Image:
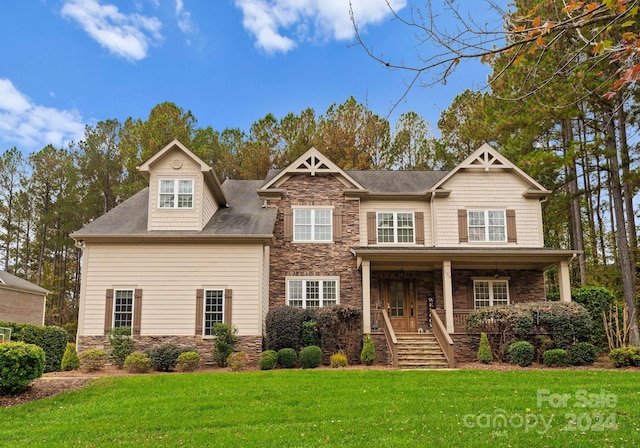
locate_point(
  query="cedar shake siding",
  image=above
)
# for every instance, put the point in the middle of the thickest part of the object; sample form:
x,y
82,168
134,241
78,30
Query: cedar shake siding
x,y
330,259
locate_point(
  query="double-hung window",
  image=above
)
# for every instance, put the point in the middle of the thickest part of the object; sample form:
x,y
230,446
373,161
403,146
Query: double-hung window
x,y
488,293
487,225
213,309
312,293
123,308
175,193
312,224
395,227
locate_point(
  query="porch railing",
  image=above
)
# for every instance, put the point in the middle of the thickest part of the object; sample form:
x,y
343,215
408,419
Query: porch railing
x,y
376,320
443,338
460,317
390,335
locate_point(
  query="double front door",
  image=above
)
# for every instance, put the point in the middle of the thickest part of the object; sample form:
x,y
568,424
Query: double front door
x,y
399,298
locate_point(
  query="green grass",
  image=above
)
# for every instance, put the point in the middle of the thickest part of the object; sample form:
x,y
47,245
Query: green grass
x,y
332,408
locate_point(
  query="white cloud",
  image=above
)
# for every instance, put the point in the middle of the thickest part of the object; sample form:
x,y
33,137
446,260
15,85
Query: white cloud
x,y
184,18
278,25
33,126
126,35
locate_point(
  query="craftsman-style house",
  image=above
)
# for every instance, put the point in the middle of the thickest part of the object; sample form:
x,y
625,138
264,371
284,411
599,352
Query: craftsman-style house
x,y
417,251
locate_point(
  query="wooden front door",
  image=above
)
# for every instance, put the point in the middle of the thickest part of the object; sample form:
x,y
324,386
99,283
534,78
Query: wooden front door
x,y
400,302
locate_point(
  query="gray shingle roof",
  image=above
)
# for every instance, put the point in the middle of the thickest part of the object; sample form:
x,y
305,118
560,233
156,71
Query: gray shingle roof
x,y
16,282
389,181
244,217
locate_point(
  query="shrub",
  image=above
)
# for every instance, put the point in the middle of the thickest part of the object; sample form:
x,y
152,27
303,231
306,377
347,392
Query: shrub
x,y
310,334
137,362
224,342
188,361
70,360
521,353
556,357
53,340
484,350
340,330
596,300
122,345
163,358
287,358
282,327
238,361
268,360
20,363
582,354
338,360
368,354
625,356
92,360
310,357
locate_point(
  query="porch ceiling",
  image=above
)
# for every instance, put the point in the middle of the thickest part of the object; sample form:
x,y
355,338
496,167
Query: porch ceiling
x,y
461,258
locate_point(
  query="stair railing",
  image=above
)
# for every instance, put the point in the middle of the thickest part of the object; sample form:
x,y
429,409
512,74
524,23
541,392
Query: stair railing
x,y
390,336
443,338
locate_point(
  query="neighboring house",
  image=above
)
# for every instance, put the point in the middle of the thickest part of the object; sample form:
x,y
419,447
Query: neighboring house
x,y
21,301
417,251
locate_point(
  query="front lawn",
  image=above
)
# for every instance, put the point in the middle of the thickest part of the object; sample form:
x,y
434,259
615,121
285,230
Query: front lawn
x,y
339,408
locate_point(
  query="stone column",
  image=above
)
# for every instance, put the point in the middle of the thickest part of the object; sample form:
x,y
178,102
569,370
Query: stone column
x,y
565,281
447,292
366,296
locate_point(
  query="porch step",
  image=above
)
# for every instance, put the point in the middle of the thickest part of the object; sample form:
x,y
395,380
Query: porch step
x,y
420,351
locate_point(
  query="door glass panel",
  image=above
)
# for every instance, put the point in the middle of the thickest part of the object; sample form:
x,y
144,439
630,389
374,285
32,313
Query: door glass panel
x,y
396,291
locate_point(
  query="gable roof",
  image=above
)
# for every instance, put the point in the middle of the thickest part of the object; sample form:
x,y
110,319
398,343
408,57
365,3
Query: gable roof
x,y
10,281
243,218
487,158
209,175
311,162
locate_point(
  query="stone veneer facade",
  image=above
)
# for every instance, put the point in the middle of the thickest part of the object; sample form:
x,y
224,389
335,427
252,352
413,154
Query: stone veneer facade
x,y
252,345
316,259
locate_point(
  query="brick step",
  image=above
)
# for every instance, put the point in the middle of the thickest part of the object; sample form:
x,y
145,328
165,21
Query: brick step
x,y
423,365
420,351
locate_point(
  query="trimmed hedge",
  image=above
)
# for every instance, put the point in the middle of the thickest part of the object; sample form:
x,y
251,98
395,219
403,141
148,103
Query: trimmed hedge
x,y
582,354
287,358
70,360
53,340
484,350
20,363
283,326
188,361
368,354
338,360
92,360
137,362
556,357
310,357
521,353
625,357
268,360
164,357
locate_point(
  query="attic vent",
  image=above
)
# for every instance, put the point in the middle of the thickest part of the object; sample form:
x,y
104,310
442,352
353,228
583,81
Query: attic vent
x,y
322,167
176,164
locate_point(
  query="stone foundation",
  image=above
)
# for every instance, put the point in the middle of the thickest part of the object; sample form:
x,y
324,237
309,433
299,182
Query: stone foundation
x,y
465,347
252,345
383,356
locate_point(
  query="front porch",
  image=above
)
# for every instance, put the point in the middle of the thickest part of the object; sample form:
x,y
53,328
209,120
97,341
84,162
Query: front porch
x,y
429,291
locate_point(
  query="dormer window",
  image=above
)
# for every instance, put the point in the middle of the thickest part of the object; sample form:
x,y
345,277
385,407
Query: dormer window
x,y
175,193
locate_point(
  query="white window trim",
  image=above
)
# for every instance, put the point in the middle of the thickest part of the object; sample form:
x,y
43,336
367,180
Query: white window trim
x,y
133,306
335,279
491,281
204,310
176,193
312,208
486,224
395,227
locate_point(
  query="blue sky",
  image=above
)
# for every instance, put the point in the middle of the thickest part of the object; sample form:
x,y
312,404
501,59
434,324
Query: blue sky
x,y
69,63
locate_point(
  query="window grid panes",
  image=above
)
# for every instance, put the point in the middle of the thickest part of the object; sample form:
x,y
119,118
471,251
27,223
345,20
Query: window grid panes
x,y
213,309
395,227
312,293
123,308
312,224
175,193
487,225
490,293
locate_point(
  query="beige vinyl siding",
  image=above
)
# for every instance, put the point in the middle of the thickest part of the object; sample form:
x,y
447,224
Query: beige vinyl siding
x,y
480,190
176,219
169,275
265,285
209,206
394,206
